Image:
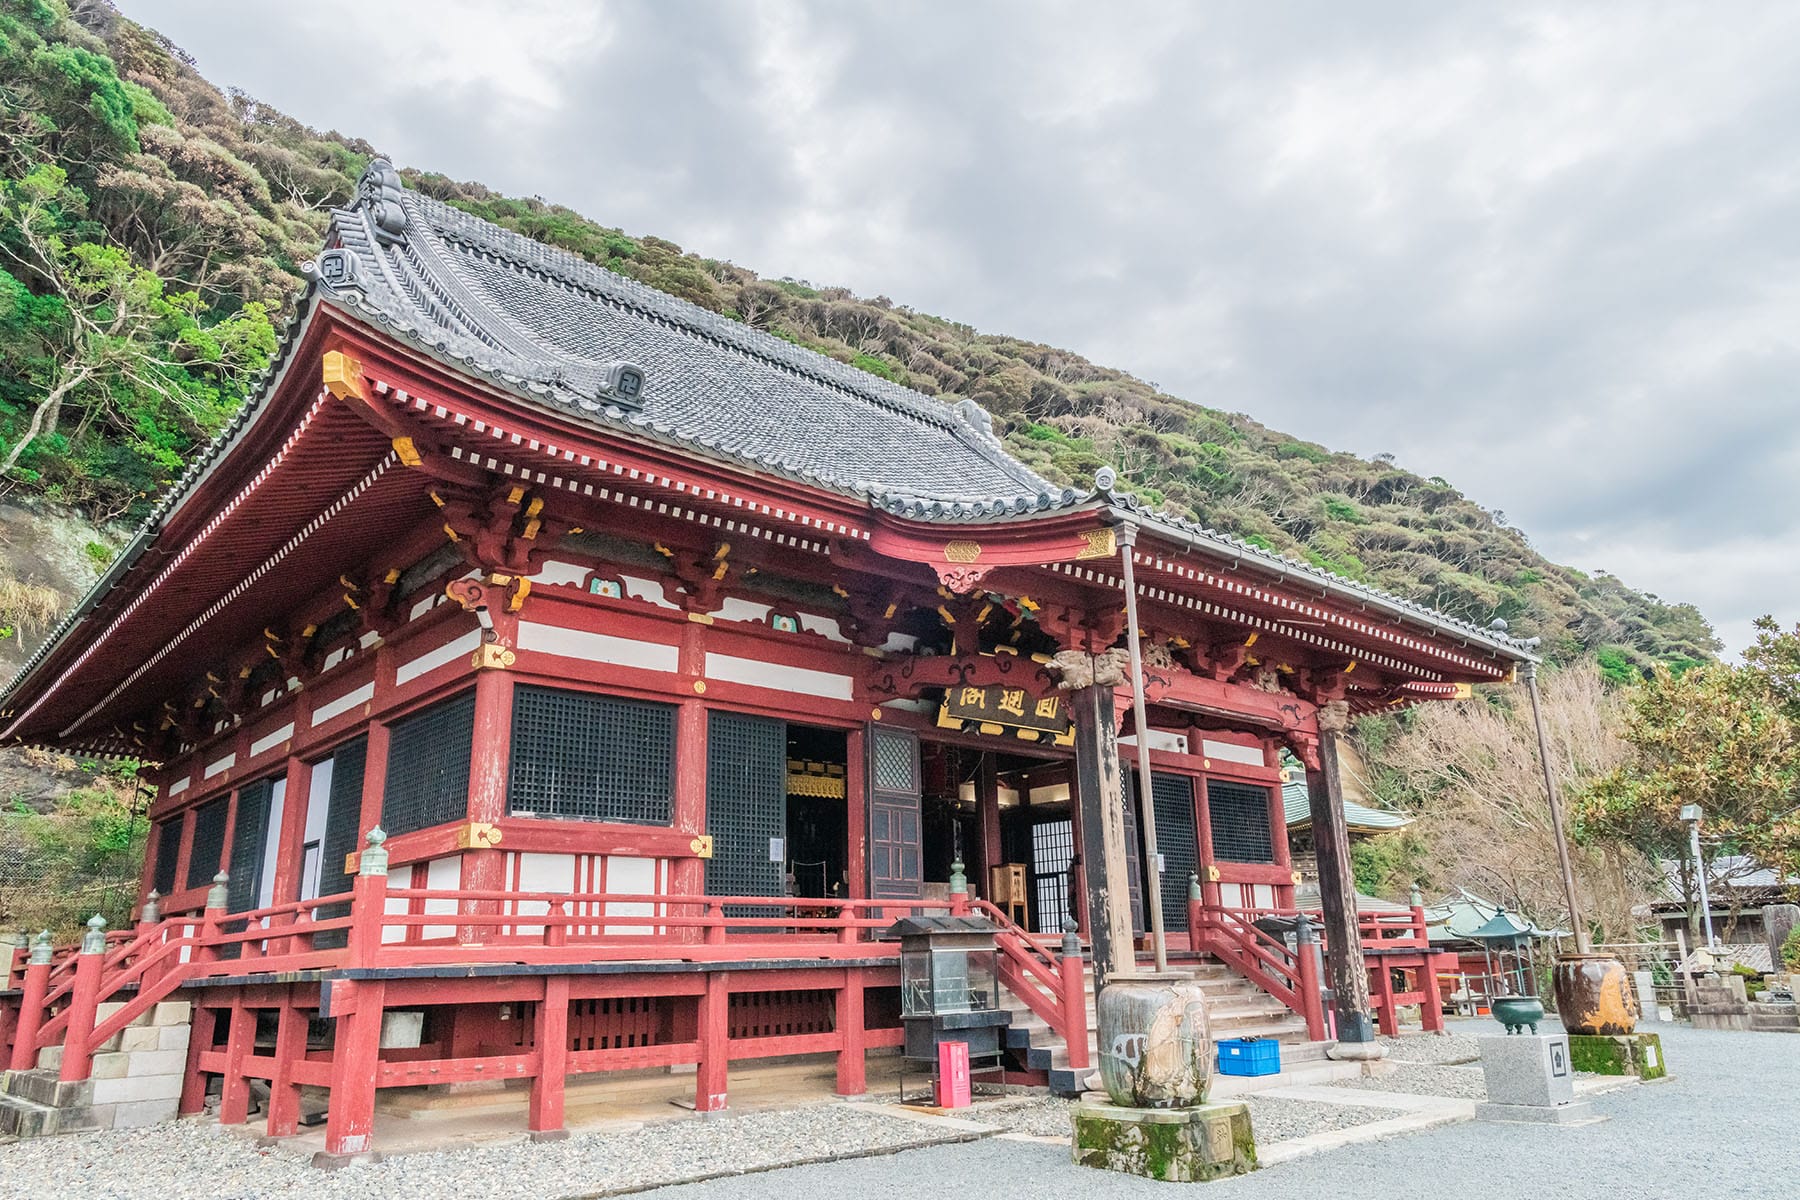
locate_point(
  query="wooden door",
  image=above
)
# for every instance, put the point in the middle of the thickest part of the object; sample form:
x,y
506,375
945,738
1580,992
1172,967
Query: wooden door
x,y
895,863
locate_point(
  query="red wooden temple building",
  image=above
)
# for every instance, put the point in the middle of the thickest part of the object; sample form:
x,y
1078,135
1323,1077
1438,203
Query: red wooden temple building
x,y
543,676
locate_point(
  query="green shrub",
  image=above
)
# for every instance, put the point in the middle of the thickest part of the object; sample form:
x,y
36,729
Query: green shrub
x,y
1790,950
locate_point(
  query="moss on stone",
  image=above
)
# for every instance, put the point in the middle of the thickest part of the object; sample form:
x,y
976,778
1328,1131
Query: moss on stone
x,y
1637,1054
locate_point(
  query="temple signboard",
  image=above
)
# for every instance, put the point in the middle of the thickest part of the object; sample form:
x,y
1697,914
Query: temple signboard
x,y
998,709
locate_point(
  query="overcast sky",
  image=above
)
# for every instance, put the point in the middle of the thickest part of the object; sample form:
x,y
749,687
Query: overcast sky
x,y
1551,253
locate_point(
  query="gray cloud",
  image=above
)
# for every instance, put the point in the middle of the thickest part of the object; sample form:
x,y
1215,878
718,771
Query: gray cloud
x,y
1547,254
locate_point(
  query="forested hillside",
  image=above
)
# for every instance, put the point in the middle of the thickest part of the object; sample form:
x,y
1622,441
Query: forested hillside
x,y
151,228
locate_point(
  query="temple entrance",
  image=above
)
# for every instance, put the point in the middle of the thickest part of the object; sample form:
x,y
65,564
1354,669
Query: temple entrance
x,y
818,824
1009,818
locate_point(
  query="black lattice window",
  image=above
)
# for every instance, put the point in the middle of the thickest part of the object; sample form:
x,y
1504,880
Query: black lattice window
x,y
1176,842
249,839
895,763
168,855
746,807
1240,822
342,816
582,757
428,767
209,841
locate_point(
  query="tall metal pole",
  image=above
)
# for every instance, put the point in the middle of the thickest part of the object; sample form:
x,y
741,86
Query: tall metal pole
x,y
1582,944
1712,943
1126,535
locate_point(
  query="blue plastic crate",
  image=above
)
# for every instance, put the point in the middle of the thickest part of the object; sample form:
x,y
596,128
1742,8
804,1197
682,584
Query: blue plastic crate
x,y
1250,1056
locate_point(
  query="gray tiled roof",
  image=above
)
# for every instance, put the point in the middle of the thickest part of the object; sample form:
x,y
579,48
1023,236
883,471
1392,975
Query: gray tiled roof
x,y
549,324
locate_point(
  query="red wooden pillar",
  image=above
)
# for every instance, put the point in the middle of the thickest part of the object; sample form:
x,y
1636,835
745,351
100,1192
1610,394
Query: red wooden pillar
x,y
852,1078
240,1038
290,1051
715,1043
987,807
31,1006
1385,1012
485,869
551,1036
355,1062
200,1041
84,1001
687,876
856,814
295,794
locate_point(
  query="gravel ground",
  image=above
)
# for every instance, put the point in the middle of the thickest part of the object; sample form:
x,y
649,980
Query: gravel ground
x,y
1417,1079
1720,1126
1434,1048
1279,1119
198,1159
1039,1116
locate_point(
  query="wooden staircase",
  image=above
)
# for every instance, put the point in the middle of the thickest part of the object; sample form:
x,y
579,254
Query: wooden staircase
x,y
1236,1008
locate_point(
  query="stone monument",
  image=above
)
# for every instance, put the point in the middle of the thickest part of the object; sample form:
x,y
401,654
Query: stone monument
x,y
1530,1078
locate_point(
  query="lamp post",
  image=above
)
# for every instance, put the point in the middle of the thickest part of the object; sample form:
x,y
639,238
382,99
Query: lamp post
x,y
1691,813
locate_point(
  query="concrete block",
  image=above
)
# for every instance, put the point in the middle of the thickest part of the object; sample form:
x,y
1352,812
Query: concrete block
x,y
140,1037
173,1037
112,1065
1211,1141
172,1012
143,1112
50,1058
101,1115
139,1087
158,1062
1578,1113
1528,1070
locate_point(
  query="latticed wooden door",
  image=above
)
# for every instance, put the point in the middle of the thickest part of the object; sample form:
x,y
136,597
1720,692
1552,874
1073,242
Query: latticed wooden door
x,y
746,807
895,866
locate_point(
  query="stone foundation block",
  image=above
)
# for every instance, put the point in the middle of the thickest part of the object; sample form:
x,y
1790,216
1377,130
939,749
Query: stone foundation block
x,y
173,1037
1528,1069
106,1011
1639,1054
172,1012
114,1064
140,1037
143,1112
50,1058
1183,1145
158,1062
135,1088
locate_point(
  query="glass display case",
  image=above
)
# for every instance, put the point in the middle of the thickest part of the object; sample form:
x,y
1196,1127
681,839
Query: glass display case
x,y
949,985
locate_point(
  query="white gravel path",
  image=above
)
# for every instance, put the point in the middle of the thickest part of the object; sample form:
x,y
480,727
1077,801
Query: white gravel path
x,y
1438,1048
1425,1079
198,1160
1274,1118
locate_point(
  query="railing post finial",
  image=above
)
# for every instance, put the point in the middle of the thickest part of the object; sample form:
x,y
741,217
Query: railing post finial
x,y
1193,885
374,860
1415,898
1071,946
43,948
959,882
1303,930
219,894
94,940
151,913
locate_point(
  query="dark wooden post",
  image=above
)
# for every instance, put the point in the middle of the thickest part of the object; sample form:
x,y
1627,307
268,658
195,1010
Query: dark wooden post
x,y
1100,801
1347,971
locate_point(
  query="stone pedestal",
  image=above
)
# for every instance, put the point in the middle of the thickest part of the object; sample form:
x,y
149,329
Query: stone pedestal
x,y
1637,1054
1179,1145
1529,1078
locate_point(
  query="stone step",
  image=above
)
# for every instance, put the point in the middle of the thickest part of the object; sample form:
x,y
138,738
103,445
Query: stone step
x,y
21,1118
41,1086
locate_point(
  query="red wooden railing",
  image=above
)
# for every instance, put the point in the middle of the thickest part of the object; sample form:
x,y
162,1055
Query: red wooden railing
x,y
1392,941
381,926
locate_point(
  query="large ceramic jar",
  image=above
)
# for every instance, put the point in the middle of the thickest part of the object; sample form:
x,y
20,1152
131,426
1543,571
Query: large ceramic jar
x,y
1154,1047
1593,995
